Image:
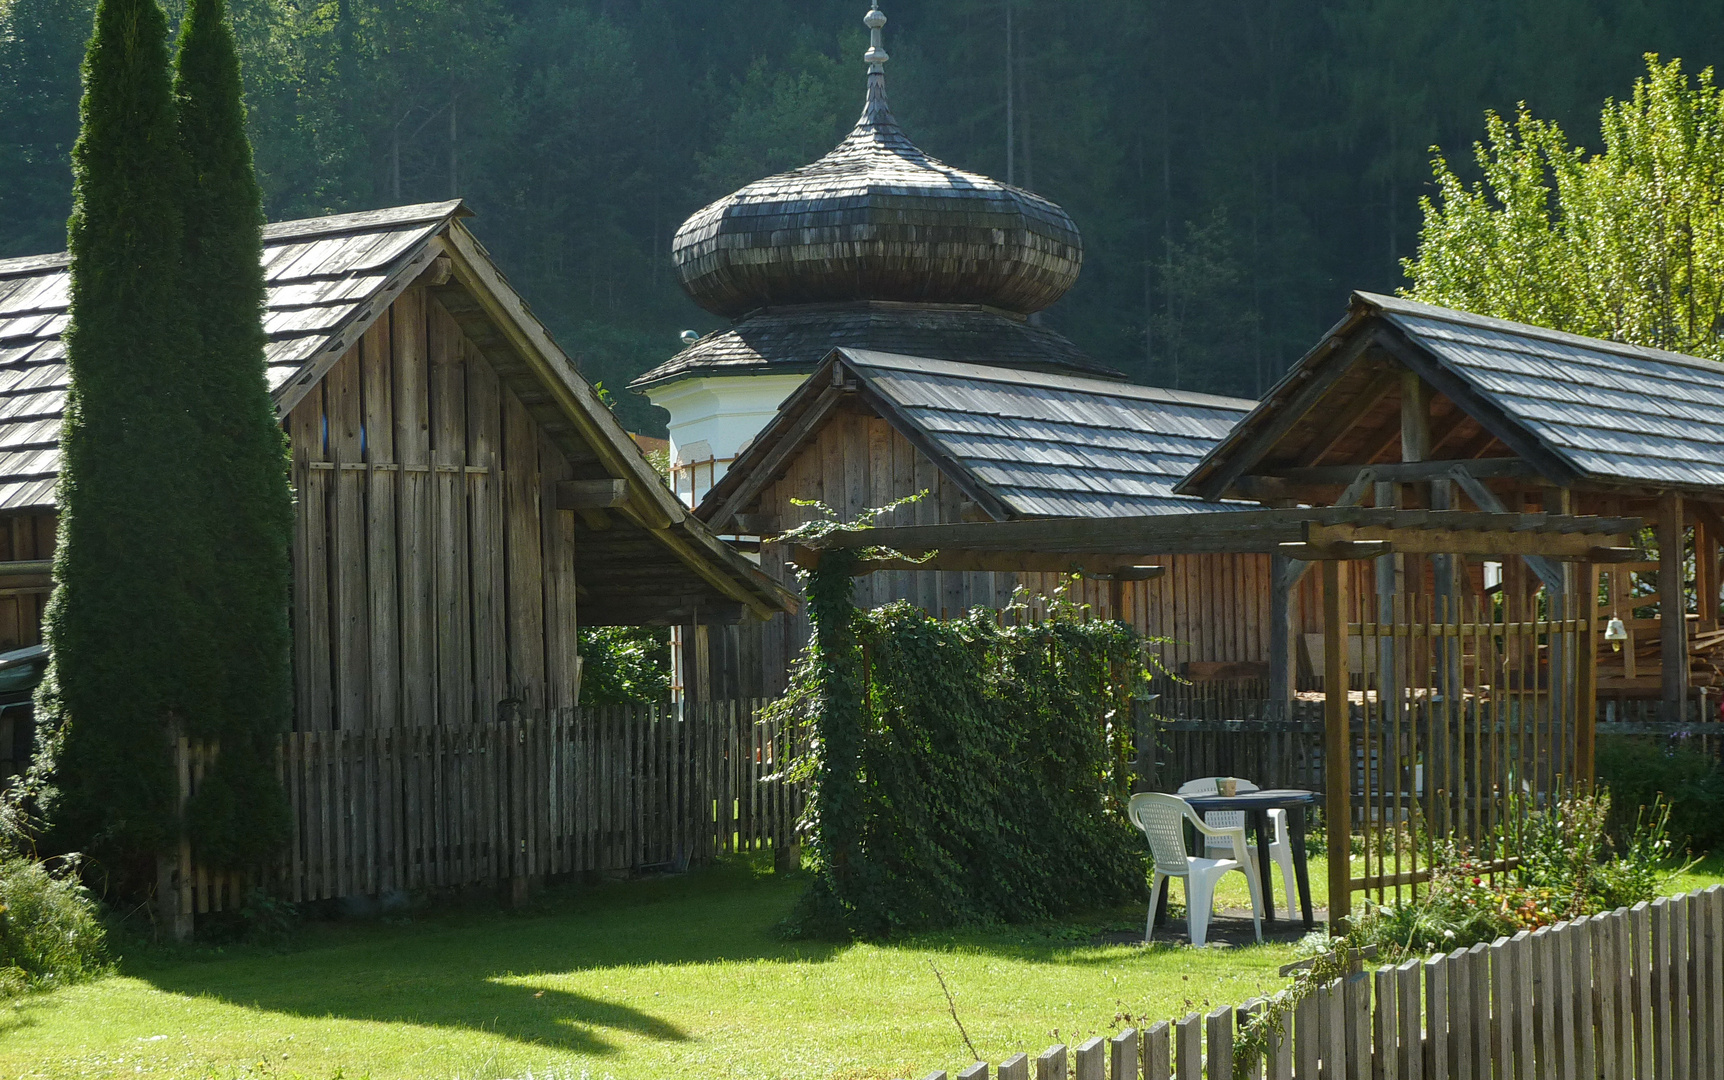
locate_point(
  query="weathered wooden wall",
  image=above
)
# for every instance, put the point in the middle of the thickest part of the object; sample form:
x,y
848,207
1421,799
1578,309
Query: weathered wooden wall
x,y
433,583
1211,607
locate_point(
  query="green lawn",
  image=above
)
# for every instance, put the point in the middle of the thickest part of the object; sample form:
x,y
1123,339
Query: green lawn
x,y
675,977
666,978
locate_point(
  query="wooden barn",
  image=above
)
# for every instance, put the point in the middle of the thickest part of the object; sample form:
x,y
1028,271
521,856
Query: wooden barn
x,y
1407,405
992,444
464,499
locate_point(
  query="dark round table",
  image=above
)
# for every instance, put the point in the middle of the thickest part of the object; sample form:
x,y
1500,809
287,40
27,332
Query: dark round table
x,y
1256,805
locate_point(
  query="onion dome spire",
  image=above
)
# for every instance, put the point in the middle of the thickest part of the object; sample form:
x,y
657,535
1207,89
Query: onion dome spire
x,y
877,219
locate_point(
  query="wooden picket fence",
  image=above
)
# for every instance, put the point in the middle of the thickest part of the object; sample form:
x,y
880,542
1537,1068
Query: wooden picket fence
x,y
1633,994
618,789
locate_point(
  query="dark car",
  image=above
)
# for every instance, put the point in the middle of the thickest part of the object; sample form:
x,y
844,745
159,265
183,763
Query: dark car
x,y
20,672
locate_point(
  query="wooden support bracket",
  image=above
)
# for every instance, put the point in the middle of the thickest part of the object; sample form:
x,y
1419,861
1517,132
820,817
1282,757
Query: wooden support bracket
x,y
591,494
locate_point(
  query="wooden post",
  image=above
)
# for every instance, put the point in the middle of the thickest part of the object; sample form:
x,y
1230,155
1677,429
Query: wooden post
x,y
1284,577
1672,608
1337,745
1586,680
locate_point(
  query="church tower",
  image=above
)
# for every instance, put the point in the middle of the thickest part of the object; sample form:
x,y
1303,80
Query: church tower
x,y
874,246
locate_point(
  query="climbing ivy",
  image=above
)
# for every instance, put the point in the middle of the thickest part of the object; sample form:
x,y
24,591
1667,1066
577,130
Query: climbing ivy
x,y
962,771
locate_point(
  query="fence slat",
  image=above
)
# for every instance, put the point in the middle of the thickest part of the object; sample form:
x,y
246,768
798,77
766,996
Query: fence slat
x,y
1188,1033
1158,1051
1122,1055
1091,1060
1385,1059
1412,1051
1640,970
1436,1062
1542,953
1051,1063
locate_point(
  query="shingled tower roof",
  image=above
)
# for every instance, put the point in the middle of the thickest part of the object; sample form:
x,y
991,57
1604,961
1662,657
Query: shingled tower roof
x,y
873,225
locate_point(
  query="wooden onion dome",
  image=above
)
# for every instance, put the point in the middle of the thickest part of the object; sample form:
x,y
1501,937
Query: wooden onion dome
x,y
877,219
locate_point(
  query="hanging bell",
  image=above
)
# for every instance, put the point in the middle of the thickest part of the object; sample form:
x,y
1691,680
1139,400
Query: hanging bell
x,y
1615,633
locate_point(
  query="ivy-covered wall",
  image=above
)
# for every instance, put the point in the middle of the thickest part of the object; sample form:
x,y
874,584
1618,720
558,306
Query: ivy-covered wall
x,y
963,771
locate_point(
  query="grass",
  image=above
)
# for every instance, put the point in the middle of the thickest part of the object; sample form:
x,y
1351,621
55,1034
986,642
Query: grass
x,y
674,977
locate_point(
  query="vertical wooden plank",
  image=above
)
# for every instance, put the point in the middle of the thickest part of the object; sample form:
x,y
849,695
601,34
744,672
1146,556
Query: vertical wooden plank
x,y
1411,1064
448,402
1356,1026
1658,989
1337,742
1623,945
1219,1032
348,587
1437,1064
1640,971
416,582
1091,1060
525,565
485,540
1188,1034
1525,1007
557,542
1709,940
1544,998
1602,996
1307,1035
1386,1027
1158,1051
1251,1067
1051,1064
1502,1001
1676,986
377,396
1280,1057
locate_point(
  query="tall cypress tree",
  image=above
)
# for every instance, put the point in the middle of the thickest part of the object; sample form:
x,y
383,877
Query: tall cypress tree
x,y
240,812
123,626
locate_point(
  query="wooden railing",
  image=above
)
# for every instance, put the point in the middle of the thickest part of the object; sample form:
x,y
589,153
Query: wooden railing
x,y
618,789
1634,994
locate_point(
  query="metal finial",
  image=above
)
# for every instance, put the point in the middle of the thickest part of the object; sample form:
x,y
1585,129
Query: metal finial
x,y
875,56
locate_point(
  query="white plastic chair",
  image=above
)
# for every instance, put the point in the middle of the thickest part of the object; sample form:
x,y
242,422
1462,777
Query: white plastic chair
x,y
1162,819
1280,847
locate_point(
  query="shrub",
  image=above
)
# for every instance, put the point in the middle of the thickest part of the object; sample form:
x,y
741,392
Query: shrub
x,y
49,932
1569,866
624,664
1637,771
966,771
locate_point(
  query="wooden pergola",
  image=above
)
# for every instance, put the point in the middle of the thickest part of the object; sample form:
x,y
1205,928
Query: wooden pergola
x,y
1457,756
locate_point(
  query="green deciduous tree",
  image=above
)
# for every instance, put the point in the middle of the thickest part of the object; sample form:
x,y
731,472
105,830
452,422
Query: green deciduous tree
x,y
240,812
123,627
1626,243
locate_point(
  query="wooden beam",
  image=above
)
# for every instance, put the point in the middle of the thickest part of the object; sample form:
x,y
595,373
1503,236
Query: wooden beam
x,y
1486,499
1007,562
591,494
1367,399
1514,435
1337,748
1408,472
1336,550
1314,381
1672,610
1586,675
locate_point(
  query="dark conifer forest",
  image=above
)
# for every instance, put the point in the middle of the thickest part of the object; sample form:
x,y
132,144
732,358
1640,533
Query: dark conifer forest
x,y
1235,167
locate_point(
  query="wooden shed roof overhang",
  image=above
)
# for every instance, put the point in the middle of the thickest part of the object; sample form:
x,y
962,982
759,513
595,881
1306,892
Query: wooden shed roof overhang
x,y
1322,534
643,558
1019,444
1509,405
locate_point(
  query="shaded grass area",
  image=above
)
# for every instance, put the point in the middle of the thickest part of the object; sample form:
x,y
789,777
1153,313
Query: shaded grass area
x,y
674,977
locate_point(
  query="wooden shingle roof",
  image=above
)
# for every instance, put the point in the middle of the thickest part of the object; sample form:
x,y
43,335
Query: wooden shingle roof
x,y
328,280
796,340
1576,410
1021,444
